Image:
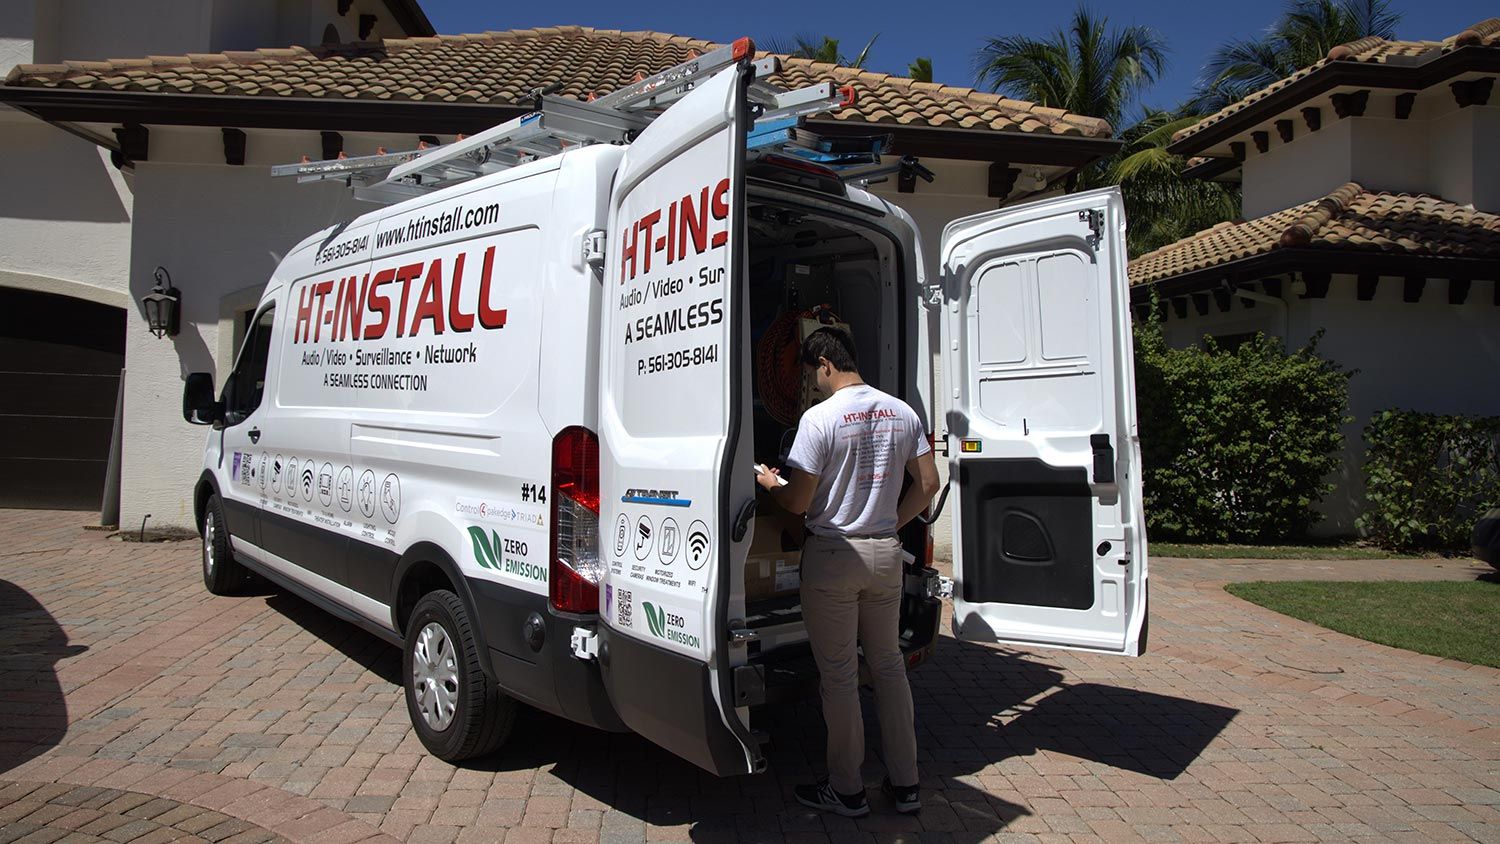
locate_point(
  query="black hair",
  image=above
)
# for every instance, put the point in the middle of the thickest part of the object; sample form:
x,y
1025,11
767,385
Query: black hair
x,y
834,344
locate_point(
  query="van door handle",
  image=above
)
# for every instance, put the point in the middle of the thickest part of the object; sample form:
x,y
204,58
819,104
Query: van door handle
x,y
1104,459
254,435
742,521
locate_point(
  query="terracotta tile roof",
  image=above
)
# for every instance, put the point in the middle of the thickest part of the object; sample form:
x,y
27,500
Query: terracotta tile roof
x,y
1351,218
1486,33
502,67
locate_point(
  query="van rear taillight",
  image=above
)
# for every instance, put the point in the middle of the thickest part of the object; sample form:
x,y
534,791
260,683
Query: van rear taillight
x,y
576,567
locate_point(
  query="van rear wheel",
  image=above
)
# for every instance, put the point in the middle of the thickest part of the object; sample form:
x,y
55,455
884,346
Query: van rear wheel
x,y
457,711
222,573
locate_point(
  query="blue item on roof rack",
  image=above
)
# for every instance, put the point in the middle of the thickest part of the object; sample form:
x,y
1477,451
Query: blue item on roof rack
x,y
834,160
789,138
772,133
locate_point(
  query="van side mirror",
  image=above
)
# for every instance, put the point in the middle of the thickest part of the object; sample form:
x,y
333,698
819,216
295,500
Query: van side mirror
x,y
198,403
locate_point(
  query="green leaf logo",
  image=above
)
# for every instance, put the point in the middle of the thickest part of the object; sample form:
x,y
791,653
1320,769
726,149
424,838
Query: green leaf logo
x,y
656,619
484,551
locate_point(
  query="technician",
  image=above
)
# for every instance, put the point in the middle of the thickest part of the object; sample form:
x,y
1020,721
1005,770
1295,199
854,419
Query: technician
x,y
845,471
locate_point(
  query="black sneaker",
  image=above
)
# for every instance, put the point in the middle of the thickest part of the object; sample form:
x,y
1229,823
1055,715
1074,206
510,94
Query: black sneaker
x,y
823,798
908,800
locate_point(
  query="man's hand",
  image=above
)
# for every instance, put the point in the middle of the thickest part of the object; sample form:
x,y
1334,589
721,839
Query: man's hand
x,y
923,471
768,478
792,492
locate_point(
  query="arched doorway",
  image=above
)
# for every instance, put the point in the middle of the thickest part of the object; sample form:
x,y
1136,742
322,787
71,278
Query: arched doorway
x,y
60,361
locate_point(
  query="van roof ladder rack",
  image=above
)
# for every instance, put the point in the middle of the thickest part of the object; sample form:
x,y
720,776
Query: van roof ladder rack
x,y
560,123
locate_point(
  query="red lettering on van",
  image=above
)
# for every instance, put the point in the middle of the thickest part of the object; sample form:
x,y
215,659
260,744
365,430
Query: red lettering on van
x,y
694,223
322,289
687,226
305,315
457,319
488,317
359,310
430,301
405,275
380,304
351,307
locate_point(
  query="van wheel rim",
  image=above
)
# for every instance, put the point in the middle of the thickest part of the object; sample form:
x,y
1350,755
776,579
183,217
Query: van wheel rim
x,y
210,533
434,675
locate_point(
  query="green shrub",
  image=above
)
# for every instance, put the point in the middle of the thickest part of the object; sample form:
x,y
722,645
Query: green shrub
x,y
1428,477
1237,444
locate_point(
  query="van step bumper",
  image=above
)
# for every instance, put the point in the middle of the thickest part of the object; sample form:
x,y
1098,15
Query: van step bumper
x,y
531,652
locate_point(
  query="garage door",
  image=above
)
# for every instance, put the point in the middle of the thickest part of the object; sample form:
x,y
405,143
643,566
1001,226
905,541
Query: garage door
x,y
60,362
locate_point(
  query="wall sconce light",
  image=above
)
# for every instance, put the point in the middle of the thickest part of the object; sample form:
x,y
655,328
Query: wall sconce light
x,y
163,306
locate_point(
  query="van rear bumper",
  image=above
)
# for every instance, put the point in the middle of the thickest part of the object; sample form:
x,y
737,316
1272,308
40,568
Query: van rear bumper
x,y
540,670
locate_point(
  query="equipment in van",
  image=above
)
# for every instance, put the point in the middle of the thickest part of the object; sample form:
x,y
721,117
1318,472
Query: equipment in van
x,y
508,423
787,386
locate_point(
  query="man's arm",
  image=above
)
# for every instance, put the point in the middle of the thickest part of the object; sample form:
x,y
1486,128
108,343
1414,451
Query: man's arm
x,y
924,472
796,494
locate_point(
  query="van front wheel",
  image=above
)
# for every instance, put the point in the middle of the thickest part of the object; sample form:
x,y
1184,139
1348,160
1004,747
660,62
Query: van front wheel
x,y
456,710
222,574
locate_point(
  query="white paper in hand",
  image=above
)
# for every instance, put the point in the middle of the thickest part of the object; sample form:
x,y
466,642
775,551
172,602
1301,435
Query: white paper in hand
x,y
760,469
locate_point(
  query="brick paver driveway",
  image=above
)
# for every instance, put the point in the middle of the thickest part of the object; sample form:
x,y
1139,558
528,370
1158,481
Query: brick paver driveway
x,y
159,712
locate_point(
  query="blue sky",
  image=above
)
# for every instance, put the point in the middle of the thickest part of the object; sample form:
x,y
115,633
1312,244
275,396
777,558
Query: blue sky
x,y
948,31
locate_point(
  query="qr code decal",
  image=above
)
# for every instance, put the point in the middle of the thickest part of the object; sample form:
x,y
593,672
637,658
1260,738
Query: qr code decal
x,y
623,606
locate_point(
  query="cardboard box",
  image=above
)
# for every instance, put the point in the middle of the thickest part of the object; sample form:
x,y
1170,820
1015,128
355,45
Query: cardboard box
x,y
772,570
772,575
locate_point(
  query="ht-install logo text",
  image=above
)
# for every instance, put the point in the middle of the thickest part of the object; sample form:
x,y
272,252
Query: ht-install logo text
x,y
669,626
493,553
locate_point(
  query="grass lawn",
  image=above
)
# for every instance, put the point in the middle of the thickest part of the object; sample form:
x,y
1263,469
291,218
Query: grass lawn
x,y
1272,552
1454,619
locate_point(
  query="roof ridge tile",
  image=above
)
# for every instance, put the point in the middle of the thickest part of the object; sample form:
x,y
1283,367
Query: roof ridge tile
x,y
1478,33
1355,48
1324,210
243,56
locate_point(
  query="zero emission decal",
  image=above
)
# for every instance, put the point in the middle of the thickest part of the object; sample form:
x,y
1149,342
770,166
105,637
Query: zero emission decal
x,y
505,556
672,625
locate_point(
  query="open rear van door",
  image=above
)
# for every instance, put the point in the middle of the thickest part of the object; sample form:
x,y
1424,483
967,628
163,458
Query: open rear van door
x,y
673,417
1049,542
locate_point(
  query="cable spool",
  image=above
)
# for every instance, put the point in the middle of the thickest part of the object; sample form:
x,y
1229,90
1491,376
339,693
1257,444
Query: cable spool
x,y
778,362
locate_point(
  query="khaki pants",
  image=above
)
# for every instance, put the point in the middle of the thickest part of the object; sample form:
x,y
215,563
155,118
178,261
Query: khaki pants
x,y
852,588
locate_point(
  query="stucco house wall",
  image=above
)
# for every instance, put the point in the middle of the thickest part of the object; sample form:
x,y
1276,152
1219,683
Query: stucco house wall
x,y
1441,150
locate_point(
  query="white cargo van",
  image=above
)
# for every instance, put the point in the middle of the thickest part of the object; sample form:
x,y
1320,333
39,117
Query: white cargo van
x,y
524,452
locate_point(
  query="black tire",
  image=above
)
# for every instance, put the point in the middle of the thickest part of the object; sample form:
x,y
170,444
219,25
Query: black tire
x,y
222,573
481,715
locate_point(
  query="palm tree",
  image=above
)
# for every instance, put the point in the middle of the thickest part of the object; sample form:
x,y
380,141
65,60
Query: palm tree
x,y
920,70
1162,206
1087,68
819,48
1307,30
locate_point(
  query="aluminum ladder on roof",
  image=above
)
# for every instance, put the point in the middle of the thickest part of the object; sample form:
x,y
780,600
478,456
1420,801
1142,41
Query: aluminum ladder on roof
x,y
560,123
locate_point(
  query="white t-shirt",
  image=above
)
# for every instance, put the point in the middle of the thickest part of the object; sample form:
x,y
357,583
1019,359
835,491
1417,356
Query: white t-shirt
x,y
857,442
